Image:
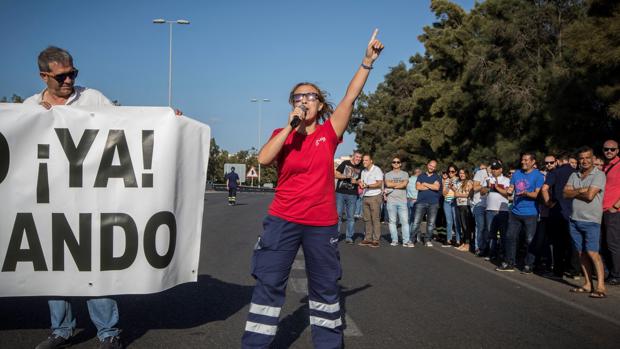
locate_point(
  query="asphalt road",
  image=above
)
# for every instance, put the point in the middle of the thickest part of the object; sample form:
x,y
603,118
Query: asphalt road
x,y
394,297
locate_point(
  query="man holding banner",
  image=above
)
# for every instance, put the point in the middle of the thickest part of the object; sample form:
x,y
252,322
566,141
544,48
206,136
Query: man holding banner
x,y
57,71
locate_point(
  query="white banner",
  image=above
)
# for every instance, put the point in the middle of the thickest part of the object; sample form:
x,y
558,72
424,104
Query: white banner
x,y
99,201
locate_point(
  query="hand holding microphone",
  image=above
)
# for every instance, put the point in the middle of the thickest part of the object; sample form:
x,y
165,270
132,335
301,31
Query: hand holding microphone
x,y
297,113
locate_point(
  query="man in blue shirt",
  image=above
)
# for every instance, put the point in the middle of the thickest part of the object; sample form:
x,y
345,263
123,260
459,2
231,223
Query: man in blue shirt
x,y
525,185
232,182
428,185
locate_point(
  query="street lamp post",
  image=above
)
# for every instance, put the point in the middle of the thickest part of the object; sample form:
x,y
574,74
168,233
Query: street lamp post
x,y
163,21
260,117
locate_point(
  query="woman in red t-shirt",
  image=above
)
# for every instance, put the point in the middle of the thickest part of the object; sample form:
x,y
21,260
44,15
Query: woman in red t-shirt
x,y
303,212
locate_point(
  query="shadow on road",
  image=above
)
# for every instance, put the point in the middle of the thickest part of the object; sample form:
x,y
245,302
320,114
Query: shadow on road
x,y
292,326
184,306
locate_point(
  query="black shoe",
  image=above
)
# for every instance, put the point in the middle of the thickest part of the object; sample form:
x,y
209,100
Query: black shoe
x,y
112,342
526,270
53,342
505,267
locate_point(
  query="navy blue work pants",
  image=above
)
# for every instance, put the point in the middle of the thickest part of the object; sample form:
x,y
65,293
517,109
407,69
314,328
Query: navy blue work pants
x,y
273,257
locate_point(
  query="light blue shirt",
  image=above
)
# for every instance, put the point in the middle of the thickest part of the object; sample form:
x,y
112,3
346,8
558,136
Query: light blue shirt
x,y
412,192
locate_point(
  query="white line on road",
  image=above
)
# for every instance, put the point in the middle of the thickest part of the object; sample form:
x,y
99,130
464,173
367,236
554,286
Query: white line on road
x,y
298,264
299,285
535,289
352,330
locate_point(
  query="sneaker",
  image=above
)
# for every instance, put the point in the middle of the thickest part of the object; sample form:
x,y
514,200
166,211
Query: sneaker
x,y
505,267
447,244
526,270
52,342
348,241
365,243
112,342
374,244
394,243
408,244
428,244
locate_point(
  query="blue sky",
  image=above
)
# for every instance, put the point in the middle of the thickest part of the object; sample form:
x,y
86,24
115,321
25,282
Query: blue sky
x,y
231,52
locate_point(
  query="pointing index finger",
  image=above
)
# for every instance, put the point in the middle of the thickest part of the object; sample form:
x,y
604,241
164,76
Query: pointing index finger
x,y
374,35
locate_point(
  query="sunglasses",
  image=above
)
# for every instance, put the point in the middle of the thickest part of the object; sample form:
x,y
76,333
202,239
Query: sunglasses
x,y
310,96
60,78
549,162
396,162
452,171
610,149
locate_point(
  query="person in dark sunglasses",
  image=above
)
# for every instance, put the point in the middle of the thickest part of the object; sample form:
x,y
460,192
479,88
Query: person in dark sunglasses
x,y
58,73
303,212
611,212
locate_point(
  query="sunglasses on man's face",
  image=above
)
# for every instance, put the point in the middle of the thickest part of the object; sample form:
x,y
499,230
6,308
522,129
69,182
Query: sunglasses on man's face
x,y
609,149
310,97
60,78
549,162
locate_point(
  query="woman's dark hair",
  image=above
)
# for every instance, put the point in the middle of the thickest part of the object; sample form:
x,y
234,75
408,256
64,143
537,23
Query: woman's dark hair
x,y
328,107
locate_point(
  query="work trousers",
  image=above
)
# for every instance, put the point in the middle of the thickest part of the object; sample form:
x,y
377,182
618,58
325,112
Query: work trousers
x,y
273,257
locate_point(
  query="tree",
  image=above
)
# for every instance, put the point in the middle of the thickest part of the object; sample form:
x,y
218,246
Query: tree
x,y
509,76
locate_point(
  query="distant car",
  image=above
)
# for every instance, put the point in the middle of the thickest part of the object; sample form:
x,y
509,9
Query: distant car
x,y
268,185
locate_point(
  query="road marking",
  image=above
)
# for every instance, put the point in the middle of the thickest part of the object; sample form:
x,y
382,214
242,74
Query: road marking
x,y
299,285
352,330
535,289
300,265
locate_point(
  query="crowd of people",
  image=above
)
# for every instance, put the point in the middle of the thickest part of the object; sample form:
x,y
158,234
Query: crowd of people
x,y
558,218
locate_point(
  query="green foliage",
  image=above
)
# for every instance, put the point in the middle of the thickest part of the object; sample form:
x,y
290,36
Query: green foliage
x,y
14,99
219,157
509,76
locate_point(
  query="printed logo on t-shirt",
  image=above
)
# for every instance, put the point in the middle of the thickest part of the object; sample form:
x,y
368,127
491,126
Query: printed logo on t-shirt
x,y
521,186
318,141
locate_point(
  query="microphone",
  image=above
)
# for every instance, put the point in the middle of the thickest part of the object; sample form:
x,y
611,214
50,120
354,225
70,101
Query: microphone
x,y
296,120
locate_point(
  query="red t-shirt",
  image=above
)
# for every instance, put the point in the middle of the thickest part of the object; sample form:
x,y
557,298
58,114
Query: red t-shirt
x,y
612,185
305,192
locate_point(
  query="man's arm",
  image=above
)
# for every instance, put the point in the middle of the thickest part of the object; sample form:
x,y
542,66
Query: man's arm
x,y
546,196
587,194
376,185
396,185
339,175
434,186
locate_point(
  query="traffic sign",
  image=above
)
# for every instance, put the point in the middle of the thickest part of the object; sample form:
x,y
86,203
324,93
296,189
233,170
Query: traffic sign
x,y
252,173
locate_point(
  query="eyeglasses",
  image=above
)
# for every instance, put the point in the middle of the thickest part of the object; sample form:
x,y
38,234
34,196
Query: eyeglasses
x,y
396,162
605,149
549,162
452,171
310,96
60,78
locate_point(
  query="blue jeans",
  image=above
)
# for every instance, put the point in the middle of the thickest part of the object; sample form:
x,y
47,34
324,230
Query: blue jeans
x,y
399,211
479,213
449,210
515,224
430,210
346,201
358,206
411,207
103,313
496,221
